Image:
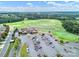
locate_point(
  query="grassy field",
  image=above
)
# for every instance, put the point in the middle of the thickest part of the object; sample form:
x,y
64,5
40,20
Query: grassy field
x,y
55,26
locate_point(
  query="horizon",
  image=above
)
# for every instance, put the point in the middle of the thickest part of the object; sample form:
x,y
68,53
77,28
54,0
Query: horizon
x,y
35,11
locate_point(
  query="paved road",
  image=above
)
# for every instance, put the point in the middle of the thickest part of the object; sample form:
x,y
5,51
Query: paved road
x,y
7,42
18,50
11,52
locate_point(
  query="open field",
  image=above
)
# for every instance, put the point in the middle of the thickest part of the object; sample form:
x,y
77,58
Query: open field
x,y
55,26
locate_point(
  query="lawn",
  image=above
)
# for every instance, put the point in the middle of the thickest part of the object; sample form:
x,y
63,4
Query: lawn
x,y
44,25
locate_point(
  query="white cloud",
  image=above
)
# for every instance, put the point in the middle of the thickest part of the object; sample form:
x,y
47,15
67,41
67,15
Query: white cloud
x,y
27,9
37,9
52,6
52,3
29,4
66,6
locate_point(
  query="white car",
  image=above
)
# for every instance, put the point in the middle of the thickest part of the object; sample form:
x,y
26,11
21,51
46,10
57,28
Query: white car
x,y
27,49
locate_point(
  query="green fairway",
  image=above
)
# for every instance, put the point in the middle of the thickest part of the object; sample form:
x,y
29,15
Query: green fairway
x,y
48,24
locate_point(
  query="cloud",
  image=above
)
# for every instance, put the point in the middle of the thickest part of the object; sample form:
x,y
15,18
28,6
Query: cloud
x,y
51,6
27,9
50,3
29,3
67,5
37,9
55,4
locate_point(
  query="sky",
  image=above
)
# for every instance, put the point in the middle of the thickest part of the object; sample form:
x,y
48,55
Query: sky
x,y
38,6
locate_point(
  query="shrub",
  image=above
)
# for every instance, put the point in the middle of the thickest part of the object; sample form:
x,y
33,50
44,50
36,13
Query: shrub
x,y
16,43
7,28
61,41
45,55
4,35
59,55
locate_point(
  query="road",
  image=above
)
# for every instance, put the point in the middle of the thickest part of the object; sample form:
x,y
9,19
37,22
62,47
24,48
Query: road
x,y
11,52
7,42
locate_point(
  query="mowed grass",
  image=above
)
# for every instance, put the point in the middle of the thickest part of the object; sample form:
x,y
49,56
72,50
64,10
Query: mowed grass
x,y
44,25
24,52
